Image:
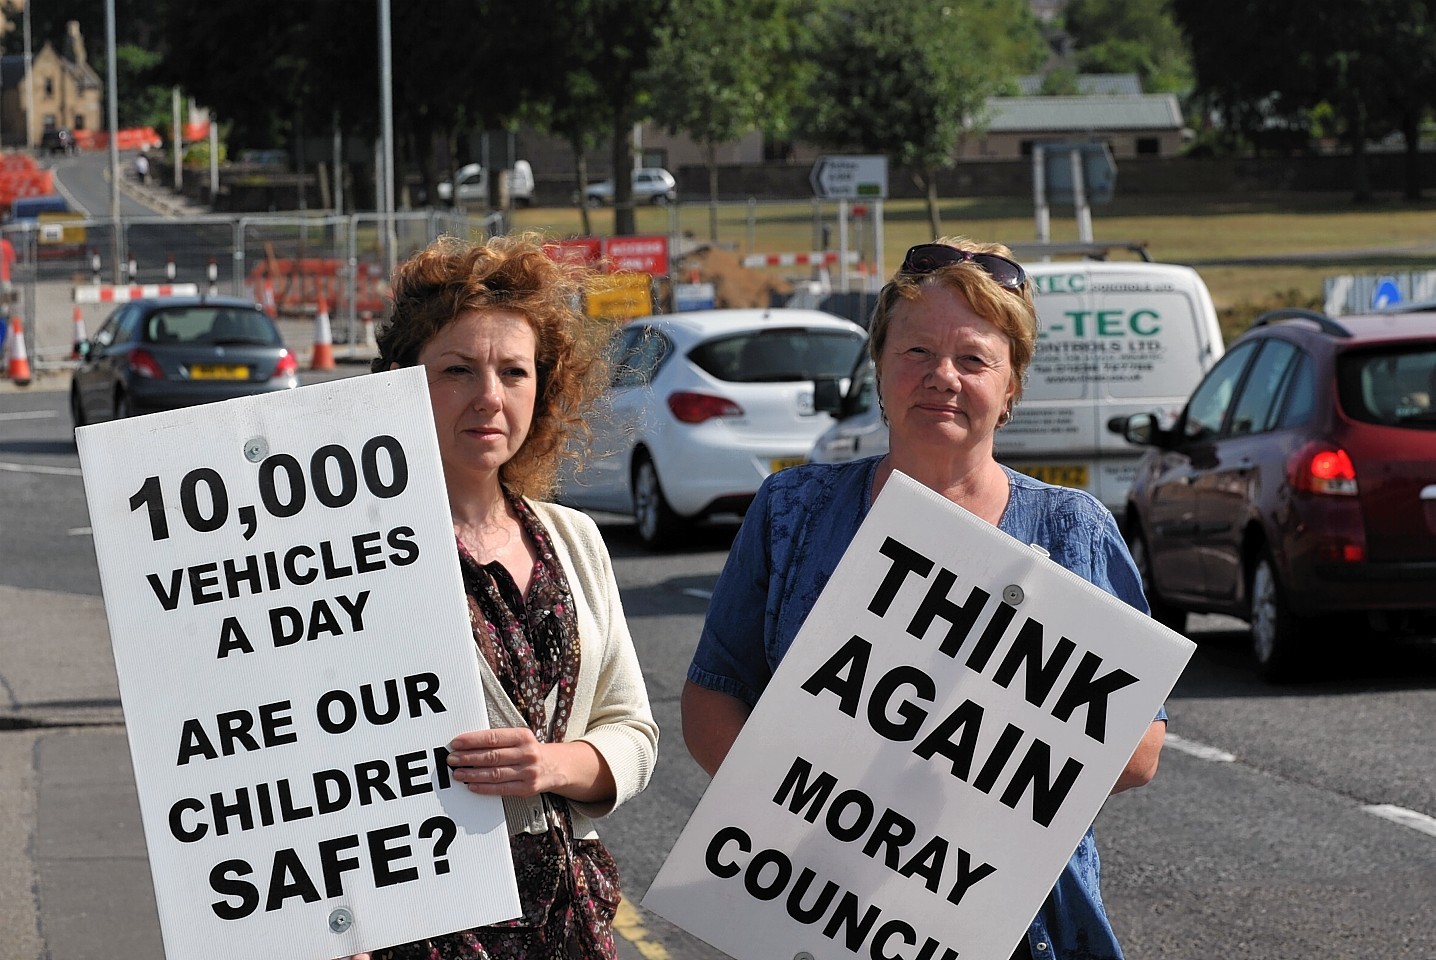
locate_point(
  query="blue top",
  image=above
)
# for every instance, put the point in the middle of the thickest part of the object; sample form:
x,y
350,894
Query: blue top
x,y
792,538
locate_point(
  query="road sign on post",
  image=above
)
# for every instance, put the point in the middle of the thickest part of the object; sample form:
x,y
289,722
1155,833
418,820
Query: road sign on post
x,y
1099,172
850,178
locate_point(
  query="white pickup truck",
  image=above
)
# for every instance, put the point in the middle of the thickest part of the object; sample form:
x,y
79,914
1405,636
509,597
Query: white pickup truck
x,y
473,189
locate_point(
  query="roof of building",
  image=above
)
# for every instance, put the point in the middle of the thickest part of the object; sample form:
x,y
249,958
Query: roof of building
x,y
12,71
1154,111
1088,84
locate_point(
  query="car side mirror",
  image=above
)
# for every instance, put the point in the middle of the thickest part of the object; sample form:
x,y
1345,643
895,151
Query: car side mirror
x,y
828,395
1139,428
82,349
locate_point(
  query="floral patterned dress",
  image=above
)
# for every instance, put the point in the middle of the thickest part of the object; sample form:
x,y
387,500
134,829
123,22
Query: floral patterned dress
x,y
568,888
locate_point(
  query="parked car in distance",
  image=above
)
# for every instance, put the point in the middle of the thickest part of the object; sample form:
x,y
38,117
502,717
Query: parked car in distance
x,y
1297,489
57,140
650,185
704,405
1114,337
165,353
473,181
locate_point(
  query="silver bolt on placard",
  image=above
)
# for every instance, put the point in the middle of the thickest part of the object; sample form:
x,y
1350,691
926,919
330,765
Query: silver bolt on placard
x,y
340,919
256,449
1013,594
802,955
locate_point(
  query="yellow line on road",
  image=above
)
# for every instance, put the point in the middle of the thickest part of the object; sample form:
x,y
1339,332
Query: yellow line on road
x,y
628,922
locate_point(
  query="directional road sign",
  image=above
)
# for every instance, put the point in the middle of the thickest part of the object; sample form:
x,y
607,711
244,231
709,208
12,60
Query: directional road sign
x,y
850,178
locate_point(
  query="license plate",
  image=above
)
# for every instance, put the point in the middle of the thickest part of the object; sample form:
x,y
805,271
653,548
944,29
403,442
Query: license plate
x,y
218,371
1067,475
783,463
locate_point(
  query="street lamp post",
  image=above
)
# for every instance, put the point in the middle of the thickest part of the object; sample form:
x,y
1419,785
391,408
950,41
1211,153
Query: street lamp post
x,y
386,104
114,115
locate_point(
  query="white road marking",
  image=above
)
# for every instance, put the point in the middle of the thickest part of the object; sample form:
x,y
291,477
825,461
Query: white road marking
x,y
29,415
39,468
1419,822
79,532
700,594
1199,750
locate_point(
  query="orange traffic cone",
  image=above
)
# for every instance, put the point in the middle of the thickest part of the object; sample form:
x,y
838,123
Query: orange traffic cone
x,y
80,335
18,369
323,358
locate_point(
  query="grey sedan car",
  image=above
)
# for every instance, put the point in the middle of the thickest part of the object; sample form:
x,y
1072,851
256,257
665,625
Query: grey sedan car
x,y
165,353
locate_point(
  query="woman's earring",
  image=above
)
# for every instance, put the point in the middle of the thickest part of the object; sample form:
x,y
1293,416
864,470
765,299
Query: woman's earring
x,y
1005,417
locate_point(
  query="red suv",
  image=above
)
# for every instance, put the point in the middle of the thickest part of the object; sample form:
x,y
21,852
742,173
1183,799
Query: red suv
x,y
1297,490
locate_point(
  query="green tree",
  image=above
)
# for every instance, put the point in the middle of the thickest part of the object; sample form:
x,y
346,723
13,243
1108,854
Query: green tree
x,y
1343,55
1130,36
908,78
591,80
720,71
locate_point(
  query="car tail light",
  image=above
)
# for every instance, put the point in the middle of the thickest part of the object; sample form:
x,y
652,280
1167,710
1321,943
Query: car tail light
x,y
697,407
1321,468
287,366
144,364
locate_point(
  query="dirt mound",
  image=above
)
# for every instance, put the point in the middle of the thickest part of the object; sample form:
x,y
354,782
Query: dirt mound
x,y
734,285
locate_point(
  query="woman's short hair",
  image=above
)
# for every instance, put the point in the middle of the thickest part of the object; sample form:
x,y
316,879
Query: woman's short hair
x,y
451,277
1011,311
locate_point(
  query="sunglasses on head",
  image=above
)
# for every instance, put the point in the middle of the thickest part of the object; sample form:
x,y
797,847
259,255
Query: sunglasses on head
x,y
928,257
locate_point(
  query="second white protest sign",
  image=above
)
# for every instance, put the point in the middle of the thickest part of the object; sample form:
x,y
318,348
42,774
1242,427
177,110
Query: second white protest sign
x,y
932,748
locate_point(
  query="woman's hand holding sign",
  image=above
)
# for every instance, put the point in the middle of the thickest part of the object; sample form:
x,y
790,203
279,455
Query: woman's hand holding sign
x,y
512,762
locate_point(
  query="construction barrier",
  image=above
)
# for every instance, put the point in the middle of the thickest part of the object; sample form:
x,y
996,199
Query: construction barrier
x,y
21,182
295,285
107,293
132,138
817,258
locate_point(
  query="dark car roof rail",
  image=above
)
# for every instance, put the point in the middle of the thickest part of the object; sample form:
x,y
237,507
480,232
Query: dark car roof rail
x,y
1086,251
1322,321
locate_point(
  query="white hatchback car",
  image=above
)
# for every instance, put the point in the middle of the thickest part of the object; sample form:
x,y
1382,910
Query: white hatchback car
x,y
705,405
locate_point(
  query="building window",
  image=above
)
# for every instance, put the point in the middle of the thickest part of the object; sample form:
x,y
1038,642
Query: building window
x,y
79,123
1148,146
49,87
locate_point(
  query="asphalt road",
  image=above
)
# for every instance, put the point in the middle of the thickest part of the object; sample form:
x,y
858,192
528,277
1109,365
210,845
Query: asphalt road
x,y
1274,830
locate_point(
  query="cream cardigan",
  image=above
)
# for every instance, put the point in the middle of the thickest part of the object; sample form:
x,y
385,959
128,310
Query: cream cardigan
x,y
610,701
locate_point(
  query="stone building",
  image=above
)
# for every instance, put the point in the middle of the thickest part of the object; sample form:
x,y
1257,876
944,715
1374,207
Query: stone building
x,y
62,88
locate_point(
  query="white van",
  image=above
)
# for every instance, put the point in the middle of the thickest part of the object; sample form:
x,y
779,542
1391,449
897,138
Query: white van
x,y
473,185
1114,338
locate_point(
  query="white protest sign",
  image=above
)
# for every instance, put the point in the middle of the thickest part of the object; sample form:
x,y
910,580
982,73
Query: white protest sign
x,y
931,750
294,652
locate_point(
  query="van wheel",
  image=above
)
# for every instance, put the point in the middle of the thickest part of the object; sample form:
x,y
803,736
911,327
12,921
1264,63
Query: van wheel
x,y
1275,630
658,525
1162,612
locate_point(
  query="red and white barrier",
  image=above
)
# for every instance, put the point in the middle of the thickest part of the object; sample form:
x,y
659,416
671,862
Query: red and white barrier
x,y
818,258
107,293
